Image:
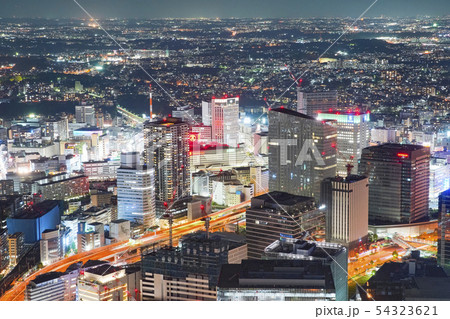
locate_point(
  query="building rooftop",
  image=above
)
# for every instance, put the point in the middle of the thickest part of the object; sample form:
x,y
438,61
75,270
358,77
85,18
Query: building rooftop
x,y
282,198
119,221
200,236
300,274
348,179
37,210
301,249
396,147
293,113
47,277
167,121
103,270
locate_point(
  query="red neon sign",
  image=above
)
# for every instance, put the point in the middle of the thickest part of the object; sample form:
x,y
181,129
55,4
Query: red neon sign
x,y
192,137
402,155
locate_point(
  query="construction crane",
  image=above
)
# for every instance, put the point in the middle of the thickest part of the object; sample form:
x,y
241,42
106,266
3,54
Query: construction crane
x,y
206,218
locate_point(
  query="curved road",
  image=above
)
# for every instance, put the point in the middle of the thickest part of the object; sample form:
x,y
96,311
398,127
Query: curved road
x,y
218,220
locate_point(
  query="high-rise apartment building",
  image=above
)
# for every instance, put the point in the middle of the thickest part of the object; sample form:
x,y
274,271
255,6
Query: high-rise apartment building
x,y
346,201
225,120
301,152
310,103
352,136
85,114
167,152
185,113
399,178
135,190
277,214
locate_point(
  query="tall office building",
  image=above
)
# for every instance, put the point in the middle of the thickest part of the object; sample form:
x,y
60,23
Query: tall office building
x,y
329,254
444,230
206,113
301,152
135,190
352,136
167,152
191,270
399,178
277,214
346,201
85,114
310,103
225,121
185,113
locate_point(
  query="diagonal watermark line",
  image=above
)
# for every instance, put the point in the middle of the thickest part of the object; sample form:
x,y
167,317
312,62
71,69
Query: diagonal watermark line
x,y
127,51
327,49
321,55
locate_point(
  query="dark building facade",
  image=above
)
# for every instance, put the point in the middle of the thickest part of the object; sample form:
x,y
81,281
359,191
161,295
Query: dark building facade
x,y
333,255
276,280
398,182
190,271
301,152
278,214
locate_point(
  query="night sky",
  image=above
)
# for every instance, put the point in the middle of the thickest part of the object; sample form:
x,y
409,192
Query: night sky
x,y
220,8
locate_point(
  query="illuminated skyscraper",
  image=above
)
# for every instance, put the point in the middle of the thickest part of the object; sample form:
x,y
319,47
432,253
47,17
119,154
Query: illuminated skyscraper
x,y
310,103
135,190
85,114
225,120
346,201
166,144
352,136
399,178
301,152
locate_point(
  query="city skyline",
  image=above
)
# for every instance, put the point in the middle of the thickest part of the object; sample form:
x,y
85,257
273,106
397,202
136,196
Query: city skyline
x,y
283,157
